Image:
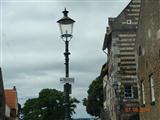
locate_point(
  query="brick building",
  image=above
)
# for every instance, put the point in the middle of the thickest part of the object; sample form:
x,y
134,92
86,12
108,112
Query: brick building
x,y
2,98
148,51
121,81
11,104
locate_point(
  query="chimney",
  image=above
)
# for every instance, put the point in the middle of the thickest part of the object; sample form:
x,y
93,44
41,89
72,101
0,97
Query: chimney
x,y
14,88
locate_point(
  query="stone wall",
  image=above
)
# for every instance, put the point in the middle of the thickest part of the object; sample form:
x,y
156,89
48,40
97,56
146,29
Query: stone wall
x,y
124,32
122,65
148,51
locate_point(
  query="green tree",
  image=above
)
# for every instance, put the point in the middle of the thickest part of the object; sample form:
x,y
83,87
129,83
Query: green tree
x,y
94,101
48,106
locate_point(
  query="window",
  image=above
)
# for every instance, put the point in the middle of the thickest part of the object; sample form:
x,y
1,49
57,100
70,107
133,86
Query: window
x,y
143,51
140,51
128,92
129,21
149,33
143,93
152,89
146,64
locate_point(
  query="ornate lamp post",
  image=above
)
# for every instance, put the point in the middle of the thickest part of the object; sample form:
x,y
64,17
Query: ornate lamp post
x,y
66,28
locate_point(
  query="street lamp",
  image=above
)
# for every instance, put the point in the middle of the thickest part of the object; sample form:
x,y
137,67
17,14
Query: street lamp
x,y
66,28
66,25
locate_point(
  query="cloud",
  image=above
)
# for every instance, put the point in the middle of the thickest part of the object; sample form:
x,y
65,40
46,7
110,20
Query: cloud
x,y
32,51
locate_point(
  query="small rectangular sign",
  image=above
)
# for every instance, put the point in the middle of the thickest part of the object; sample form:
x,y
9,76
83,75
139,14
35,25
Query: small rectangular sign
x,y
67,80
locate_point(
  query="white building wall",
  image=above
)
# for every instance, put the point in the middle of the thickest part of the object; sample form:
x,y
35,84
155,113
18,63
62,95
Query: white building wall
x,y
7,111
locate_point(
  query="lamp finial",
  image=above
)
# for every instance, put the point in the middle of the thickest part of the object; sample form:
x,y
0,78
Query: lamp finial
x,y
65,12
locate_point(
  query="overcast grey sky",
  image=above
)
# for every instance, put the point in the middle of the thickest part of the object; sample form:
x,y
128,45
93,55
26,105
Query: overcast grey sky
x,y
32,51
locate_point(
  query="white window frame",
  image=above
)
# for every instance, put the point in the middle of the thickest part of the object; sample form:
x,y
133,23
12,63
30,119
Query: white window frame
x,y
143,93
152,88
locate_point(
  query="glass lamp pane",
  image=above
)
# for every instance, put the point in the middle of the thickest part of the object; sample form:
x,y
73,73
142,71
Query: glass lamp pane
x,y
66,29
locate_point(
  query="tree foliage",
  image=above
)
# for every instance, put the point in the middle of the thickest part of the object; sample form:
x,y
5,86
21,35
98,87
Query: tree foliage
x,y
94,101
48,106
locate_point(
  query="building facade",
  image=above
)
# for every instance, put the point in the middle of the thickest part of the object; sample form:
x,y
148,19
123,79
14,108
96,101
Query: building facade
x,y
108,91
2,98
148,52
121,81
11,104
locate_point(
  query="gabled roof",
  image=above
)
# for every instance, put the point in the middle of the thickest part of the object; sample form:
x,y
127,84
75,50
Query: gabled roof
x,y
131,11
124,10
11,98
104,70
107,41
